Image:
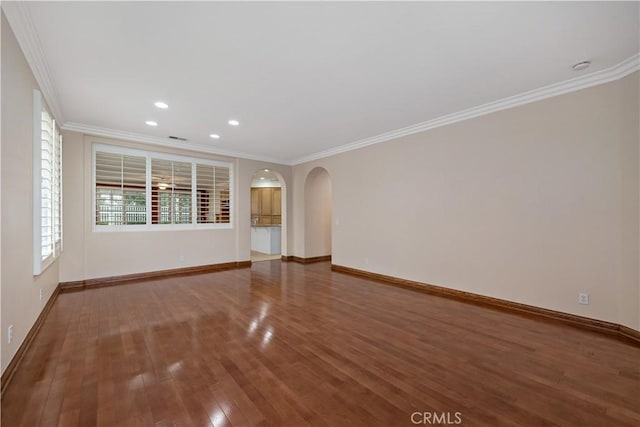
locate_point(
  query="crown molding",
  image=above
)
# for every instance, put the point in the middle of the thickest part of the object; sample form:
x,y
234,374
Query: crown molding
x,y
19,18
616,72
163,142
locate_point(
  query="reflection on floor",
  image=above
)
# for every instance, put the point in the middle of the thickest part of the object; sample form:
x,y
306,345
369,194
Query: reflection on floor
x,y
259,256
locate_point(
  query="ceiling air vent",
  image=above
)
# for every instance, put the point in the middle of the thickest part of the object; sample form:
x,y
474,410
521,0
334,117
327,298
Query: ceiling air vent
x,y
177,138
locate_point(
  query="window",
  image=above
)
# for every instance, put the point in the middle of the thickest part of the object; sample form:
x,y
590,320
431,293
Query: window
x,y
120,189
137,190
170,192
47,187
213,194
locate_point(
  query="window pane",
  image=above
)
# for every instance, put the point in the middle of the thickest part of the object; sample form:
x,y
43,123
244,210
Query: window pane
x,y
108,169
121,197
108,206
57,194
170,192
182,192
46,184
205,190
213,194
223,214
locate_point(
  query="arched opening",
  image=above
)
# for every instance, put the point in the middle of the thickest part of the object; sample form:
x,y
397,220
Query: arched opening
x,y
317,213
268,215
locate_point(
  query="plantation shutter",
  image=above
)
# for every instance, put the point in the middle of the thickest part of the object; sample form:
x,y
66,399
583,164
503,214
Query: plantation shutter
x,y
47,178
57,191
47,186
171,196
120,189
212,184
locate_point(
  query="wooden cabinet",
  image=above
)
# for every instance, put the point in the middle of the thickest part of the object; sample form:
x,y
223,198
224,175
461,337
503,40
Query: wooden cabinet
x,y
266,201
266,205
255,202
276,205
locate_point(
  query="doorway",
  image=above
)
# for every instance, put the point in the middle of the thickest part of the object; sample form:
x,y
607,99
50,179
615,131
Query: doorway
x,y
267,208
318,211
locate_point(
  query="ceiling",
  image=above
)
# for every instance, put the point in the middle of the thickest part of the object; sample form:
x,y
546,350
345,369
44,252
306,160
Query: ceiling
x,y
306,78
265,178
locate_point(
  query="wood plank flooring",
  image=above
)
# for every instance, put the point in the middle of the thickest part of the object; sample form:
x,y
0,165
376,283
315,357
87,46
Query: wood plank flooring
x,y
284,344
260,256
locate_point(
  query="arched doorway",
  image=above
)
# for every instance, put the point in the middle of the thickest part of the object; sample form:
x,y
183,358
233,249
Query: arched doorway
x,y
268,214
317,213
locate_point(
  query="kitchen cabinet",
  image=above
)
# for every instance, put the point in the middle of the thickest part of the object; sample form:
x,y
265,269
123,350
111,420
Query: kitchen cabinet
x,y
266,205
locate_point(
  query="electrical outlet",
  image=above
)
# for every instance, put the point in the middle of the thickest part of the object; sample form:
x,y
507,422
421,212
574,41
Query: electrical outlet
x,y
181,259
41,296
583,298
10,334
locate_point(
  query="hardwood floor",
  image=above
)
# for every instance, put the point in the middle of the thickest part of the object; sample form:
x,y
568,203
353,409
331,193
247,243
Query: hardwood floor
x,y
260,256
286,344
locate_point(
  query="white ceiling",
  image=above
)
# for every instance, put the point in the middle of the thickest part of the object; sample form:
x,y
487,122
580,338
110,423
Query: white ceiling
x,y
304,78
265,178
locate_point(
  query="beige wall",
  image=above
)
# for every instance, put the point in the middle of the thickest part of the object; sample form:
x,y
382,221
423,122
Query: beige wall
x,y
629,92
20,290
317,214
533,204
90,254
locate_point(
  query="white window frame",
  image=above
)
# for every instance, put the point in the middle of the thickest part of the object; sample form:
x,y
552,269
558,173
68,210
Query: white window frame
x,y
40,264
194,225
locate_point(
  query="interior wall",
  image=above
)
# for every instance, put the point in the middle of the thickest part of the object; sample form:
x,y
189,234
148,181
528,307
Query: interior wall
x,y
630,185
20,294
533,204
89,254
317,213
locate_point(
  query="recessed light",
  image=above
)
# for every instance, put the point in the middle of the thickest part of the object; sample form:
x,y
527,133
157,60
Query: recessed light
x,y
266,170
262,177
214,136
234,122
161,104
582,65
151,123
